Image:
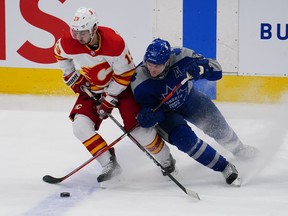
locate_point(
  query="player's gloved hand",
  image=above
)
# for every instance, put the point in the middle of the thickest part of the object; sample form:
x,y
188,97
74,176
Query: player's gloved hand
x,y
107,105
75,80
193,69
147,118
208,71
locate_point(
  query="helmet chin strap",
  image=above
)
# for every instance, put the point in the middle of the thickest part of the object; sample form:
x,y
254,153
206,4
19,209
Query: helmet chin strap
x,y
163,74
92,38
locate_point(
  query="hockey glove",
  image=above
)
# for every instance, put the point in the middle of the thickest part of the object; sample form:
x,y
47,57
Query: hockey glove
x,y
209,73
75,80
193,69
147,118
107,105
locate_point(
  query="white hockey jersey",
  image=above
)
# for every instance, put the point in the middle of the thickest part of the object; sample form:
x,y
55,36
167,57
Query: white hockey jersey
x,y
110,66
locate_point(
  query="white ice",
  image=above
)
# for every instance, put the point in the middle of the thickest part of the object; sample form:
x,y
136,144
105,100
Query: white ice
x,y
36,139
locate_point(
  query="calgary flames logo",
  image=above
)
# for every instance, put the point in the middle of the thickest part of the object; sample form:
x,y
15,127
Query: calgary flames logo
x,y
99,75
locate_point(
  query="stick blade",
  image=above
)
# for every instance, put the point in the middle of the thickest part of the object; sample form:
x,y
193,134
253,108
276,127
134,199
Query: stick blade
x,y
51,180
192,194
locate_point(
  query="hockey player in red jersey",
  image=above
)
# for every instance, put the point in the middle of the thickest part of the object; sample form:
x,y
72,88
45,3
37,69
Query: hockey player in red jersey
x,y
98,58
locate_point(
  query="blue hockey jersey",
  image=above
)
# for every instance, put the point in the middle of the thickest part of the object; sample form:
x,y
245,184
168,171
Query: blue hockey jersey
x,y
149,92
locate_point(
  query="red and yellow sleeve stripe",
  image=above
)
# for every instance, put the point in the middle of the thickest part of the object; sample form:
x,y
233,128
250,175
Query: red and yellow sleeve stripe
x,y
124,78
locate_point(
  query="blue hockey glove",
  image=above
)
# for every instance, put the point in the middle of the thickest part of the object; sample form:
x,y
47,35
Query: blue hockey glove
x,y
147,118
193,69
208,71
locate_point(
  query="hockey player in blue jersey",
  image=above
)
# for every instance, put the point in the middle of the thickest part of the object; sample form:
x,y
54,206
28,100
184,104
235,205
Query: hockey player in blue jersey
x,y
162,69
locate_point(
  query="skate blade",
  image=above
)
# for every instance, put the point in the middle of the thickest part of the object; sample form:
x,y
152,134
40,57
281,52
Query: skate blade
x,y
237,182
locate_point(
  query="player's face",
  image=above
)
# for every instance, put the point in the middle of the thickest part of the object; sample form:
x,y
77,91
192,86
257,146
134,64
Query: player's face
x,y
155,69
83,37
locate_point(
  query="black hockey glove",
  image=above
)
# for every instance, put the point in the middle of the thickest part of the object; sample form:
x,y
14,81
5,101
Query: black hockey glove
x,y
147,118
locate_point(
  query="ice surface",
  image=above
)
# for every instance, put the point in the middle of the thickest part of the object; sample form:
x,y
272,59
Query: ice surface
x,y
36,139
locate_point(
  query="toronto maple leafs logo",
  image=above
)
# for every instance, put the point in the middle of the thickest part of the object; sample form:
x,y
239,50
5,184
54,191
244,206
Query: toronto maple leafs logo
x,y
177,99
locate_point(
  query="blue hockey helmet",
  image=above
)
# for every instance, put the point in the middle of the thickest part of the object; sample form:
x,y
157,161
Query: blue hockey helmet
x,y
158,52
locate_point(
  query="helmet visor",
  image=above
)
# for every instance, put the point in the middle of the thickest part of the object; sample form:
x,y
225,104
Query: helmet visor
x,y
82,36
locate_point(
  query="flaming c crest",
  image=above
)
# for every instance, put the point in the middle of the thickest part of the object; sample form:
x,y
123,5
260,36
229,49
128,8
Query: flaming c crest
x,y
99,74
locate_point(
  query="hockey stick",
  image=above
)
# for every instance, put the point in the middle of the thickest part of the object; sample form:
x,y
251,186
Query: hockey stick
x,y
188,77
188,192
54,180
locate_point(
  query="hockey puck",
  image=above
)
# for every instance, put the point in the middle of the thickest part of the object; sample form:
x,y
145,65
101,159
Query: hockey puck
x,y
65,194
